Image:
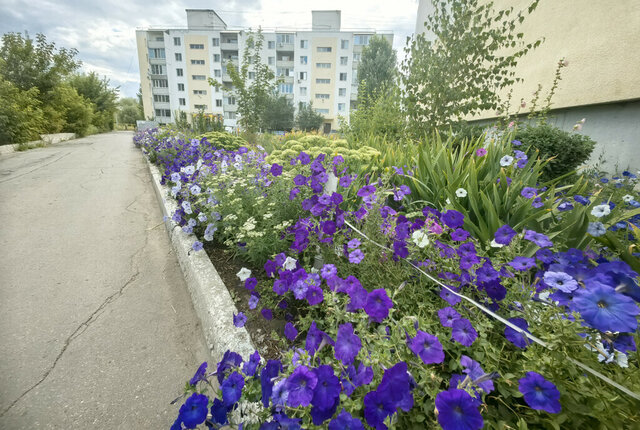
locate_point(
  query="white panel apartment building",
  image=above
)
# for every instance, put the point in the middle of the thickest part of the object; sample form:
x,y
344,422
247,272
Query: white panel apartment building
x,y
318,66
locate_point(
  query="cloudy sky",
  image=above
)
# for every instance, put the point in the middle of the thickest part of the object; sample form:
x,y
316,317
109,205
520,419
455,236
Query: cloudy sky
x,y
104,31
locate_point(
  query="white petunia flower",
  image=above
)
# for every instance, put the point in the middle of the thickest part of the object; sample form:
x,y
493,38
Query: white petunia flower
x,y
627,198
461,192
243,274
289,263
495,244
600,211
506,161
420,238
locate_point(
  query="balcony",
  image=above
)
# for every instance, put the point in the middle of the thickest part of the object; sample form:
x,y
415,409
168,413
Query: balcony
x,y
284,63
287,47
229,108
229,46
155,44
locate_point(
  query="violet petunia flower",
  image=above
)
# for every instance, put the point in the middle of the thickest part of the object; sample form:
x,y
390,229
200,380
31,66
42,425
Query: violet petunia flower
x,y
457,410
300,385
463,332
605,309
427,347
515,337
539,393
347,344
447,316
239,320
377,305
290,331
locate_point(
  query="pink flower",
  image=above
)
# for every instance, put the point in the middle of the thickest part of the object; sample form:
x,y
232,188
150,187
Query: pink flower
x,y
435,228
481,152
511,124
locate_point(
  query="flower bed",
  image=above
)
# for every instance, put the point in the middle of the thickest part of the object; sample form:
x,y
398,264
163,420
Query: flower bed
x,y
396,316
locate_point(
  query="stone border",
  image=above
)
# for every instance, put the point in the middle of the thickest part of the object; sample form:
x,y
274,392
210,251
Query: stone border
x,y
211,299
45,139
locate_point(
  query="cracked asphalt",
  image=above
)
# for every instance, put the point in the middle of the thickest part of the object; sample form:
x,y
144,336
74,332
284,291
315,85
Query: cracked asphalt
x,y
97,329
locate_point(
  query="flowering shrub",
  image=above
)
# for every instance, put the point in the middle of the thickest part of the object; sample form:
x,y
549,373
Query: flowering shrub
x,y
394,308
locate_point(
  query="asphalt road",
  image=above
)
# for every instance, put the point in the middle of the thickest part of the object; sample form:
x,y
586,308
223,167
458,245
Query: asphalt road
x,y
97,329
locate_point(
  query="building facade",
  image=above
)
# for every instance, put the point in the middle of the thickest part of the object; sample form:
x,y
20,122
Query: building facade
x,y
317,66
601,83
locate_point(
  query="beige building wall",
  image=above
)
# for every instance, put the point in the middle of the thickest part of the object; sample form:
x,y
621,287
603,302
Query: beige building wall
x,y
598,38
145,81
319,73
192,69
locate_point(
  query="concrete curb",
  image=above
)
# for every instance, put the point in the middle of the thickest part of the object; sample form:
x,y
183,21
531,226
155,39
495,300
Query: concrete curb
x,y
211,299
47,139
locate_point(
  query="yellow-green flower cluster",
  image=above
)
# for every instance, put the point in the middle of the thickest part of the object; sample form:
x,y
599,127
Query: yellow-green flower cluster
x,y
316,145
223,140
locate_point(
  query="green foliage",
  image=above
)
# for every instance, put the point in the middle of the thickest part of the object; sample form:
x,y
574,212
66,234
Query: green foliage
x,y
566,150
379,113
27,64
278,115
377,68
103,97
203,123
308,119
68,111
223,140
460,71
129,111
20,115
253,95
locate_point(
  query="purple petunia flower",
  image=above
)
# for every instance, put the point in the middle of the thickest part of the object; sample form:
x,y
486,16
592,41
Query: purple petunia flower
x,y
290,331
314,295
528,192
538,238
253,301
459,235
516,143
194,411
328,271
346,181
539,393
522,263
300,385
199,375
197,246
239,320
232,388
516,338
267,314
449,297
544,255
353,243
268,373
606,310
356,256
397,384
367,190
347,344
249,368
537,203
452,218
457,410
376,410
218,413
481,152
276,169
304,158
377,305
327,388
427,347
463,332
250,283
560,280
473,369
447,316
344,421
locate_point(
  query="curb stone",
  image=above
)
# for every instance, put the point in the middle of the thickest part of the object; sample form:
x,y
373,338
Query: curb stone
x,y
211,299
47,139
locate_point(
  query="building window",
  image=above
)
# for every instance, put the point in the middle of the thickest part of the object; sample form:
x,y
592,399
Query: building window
x,y
323,81
180,87
356,56
200,92
159,38
322,96
323,65
178,56
284,38
156,53
342,92
231,101
176,41
354,79
285,88
179,72
217,73
304,44
196,46
272,61
344,61
322,111
341,107
303,59
161,98
252,75
200,62
271,44
323,49
361,39
182,102
157,69
218,102
343,76
198,77
216,58
284,71
215,41
303,76
303,91
160,83
163,112
230,115
200,107
344,44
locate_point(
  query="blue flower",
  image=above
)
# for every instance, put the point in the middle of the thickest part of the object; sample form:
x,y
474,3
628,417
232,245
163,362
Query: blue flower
x,y
528,192
232,389
327,388
452,218
522,263
344,421
377,305
539,393
197,246
504,235
249,368
219,412
515,337
396,385
276,169
457,411
447,316
316,339
301,384
194,410
538,238
239,320
427,347
463,332
560,280
376,410
596,229
347,344
268,373
199,375
290,331
606,310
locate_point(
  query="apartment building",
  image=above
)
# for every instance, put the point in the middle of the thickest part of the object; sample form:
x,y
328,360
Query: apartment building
x,y
317,66
601,83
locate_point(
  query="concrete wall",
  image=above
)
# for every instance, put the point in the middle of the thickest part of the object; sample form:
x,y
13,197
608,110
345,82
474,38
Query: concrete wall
x,y
145,82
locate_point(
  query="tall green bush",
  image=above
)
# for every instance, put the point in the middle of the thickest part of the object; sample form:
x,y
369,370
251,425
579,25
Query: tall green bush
x,y
21,118
566,150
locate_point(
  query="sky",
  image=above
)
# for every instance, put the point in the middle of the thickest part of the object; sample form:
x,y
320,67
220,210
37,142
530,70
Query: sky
x,y
104,31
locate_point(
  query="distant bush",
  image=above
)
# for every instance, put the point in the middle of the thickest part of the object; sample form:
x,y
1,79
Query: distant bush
x,y
569,150
223,140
